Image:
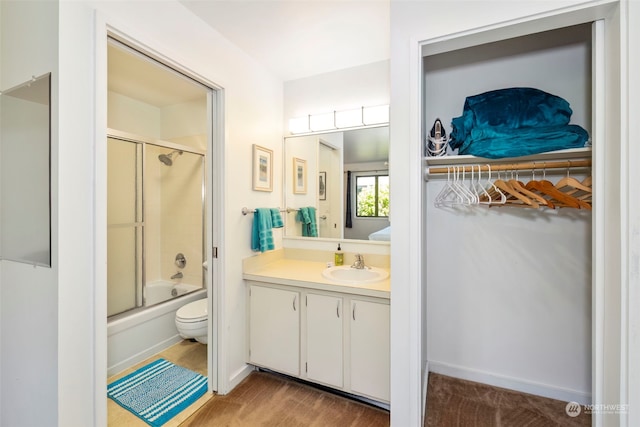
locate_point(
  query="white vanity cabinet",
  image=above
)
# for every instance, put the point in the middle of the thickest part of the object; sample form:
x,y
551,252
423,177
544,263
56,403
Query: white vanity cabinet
x,y
274,329
369,348
324,339
340,340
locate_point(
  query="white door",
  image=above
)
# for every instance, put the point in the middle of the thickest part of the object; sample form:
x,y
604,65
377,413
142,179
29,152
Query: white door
x,y
370,349
324,339
274,329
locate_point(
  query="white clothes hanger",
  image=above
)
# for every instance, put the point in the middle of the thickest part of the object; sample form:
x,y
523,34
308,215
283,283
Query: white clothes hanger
x,y
496,196
483,196
449,195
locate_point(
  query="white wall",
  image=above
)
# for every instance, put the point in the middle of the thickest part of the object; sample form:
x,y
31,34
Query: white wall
x,y
412,22
131,115
253,114
29,358
364,86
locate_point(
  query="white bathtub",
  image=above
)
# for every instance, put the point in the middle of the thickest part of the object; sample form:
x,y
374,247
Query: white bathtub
x,y
132,337
161,290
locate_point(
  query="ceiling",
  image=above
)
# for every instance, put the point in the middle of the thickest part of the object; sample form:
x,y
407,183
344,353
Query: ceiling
x,y
301,38
366,145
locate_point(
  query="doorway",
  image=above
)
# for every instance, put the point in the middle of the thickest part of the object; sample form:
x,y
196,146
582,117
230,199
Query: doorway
x,y
168,115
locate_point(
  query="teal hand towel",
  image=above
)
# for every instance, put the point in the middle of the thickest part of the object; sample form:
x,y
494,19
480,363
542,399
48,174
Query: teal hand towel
x,y
307,216
261,234
276,218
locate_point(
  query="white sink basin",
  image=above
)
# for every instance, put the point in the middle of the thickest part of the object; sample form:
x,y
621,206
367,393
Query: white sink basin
x,y
354,276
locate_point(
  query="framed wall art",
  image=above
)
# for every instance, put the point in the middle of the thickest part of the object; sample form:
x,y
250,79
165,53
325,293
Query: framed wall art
x,y
299,176
322,186
262,168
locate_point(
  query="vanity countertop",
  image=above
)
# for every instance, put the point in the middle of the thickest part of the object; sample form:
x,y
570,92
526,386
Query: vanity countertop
x,y
308,274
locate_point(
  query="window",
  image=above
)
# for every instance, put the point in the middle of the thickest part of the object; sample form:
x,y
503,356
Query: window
x,y
372,196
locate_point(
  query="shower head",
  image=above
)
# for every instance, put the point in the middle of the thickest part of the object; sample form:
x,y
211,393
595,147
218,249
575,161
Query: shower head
x,y
166,158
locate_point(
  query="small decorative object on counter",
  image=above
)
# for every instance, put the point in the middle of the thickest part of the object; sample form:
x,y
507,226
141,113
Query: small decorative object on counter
x,y
339,256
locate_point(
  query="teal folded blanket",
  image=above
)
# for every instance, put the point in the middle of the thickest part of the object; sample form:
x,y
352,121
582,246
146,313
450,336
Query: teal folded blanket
x,y
307,216
515,122
261,234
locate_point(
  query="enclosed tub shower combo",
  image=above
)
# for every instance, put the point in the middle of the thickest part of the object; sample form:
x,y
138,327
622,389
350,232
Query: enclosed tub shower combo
x,y
155,246
158,133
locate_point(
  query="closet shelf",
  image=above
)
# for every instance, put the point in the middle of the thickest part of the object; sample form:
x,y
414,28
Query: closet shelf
x,y
569,154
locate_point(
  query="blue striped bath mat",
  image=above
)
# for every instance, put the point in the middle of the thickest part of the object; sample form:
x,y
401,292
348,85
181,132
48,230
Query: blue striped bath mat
x,y
158,391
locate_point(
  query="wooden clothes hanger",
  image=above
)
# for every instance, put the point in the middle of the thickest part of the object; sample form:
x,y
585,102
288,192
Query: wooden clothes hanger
x,y
557,197
520,187
514,197
573,187
586,196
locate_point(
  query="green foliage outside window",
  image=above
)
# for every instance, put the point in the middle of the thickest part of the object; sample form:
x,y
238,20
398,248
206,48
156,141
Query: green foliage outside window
x,y
372,199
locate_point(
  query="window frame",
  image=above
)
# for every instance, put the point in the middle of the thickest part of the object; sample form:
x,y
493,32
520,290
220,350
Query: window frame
x,y
354,192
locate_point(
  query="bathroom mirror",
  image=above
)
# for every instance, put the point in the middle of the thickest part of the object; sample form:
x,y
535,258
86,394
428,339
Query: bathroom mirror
x,y
346,173
25,146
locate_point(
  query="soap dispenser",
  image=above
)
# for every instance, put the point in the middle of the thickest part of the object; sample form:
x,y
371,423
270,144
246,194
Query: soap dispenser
x,y
339,256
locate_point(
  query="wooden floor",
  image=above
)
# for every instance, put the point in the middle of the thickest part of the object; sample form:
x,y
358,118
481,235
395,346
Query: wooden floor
x,y
454,402
262,399
266,399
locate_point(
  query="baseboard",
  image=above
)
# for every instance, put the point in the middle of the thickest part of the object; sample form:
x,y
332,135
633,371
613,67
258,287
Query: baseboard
x,y
425,387
237,377
145,354
544,390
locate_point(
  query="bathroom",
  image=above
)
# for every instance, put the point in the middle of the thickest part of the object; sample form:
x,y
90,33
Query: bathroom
x,y
165,198
156,160
70,323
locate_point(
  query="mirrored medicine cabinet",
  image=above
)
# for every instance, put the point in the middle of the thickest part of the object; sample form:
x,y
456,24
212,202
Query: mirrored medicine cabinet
x,y
25,172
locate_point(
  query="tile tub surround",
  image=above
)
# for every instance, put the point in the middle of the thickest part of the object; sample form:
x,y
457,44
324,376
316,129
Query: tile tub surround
x,y
304,268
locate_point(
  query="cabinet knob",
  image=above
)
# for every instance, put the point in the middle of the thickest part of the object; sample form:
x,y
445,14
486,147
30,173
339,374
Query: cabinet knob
x,y
354,311
338,309
294,302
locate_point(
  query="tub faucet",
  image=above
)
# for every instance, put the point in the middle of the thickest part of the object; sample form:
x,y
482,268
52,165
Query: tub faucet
x,y
178,275
359,262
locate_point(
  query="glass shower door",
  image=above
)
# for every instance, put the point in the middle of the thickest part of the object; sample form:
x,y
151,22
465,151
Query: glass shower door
x,y
124,226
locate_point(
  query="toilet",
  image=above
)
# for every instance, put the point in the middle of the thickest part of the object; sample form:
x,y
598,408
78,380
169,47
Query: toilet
x,y
191,320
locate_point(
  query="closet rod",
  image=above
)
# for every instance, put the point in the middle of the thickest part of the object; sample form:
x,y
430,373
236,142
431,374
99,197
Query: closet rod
x,y
512,166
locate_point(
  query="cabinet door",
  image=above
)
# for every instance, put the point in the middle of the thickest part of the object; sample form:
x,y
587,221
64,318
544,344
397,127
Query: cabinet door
x,y
324,339
370,349
274,329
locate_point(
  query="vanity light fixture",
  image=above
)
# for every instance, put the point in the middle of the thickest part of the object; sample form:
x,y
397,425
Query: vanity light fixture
x,y
299,124
349,118
375,115
320,122
357,117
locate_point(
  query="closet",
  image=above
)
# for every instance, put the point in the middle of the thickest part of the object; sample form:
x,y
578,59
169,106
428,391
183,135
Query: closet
x,y
508,290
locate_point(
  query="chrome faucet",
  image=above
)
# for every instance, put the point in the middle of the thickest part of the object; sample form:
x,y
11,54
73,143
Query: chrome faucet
x,y
359,262
178,275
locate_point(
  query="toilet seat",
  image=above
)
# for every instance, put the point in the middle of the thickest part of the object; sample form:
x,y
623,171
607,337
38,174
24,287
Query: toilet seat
x,y
193,312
